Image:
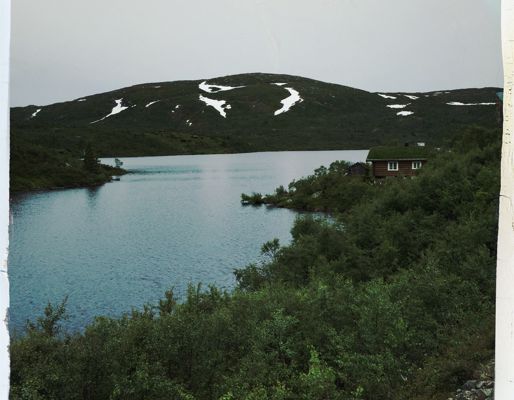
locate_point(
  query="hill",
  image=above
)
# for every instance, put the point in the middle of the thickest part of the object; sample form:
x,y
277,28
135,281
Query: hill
x,y
249,112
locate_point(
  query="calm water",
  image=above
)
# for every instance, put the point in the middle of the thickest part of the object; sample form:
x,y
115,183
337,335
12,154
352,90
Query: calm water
x,y
172,221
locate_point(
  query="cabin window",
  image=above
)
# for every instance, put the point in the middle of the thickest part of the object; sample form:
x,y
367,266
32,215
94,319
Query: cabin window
x,y
392,165
416,164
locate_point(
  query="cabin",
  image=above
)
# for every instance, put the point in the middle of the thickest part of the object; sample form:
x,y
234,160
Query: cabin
x,y
358,169
397,161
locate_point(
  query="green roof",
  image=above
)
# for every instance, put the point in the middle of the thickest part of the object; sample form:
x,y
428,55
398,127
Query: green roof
x,y
398,153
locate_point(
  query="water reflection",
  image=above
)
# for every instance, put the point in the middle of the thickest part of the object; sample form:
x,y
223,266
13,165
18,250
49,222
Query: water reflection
x,y
92,195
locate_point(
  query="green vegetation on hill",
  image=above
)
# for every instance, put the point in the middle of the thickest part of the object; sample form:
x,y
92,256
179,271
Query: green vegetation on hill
x,y
392,300
330,116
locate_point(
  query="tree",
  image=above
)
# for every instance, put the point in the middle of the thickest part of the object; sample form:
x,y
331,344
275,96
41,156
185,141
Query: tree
x,y
91,162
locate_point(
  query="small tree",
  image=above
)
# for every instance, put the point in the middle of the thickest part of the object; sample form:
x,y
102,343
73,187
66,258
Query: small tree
x,y
91,162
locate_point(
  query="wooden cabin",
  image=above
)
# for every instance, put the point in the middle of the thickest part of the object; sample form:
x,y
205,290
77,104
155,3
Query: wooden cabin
x,y
397,161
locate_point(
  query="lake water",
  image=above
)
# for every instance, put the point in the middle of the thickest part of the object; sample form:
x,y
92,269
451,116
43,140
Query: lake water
x,y
171,221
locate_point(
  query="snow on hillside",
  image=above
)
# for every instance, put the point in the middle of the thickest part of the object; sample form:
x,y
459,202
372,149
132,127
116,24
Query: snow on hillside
x,y
35,113
152,102
458,103
398,105
216,88
409,96
405,113
115,110
219,105
290,101
385,96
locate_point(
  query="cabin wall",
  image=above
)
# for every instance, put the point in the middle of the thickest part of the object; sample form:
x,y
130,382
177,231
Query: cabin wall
x,y
404,169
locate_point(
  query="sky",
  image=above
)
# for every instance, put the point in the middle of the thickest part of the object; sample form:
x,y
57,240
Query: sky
x,y
65,49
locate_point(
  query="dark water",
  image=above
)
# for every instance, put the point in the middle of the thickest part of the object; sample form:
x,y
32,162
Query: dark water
x,y
173,221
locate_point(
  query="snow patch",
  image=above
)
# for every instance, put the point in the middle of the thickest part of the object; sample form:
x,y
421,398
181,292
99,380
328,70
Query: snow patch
x,y
152,102
115,110
279,83
81,99
458,103
216,88
219,105
385,96
177,106
404,113
398,105
290,101
157,87
35,113
409,96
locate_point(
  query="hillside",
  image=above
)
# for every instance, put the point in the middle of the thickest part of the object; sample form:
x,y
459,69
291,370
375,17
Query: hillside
x,y
246,113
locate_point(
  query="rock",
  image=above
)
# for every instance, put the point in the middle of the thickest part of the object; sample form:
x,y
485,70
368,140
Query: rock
x,y
487,385
469,385
475,394
478,389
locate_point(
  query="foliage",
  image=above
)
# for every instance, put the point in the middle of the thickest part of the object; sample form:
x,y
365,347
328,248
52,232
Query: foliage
x,y
391,299
34,167
328,189
253,199
90,162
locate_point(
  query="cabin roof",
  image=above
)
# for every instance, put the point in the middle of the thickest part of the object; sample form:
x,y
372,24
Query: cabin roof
x,y
385,153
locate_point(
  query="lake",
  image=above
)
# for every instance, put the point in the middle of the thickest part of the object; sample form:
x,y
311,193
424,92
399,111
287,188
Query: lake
x,y
170,222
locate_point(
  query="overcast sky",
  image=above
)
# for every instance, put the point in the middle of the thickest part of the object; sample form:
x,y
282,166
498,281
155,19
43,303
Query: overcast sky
x,y
64,49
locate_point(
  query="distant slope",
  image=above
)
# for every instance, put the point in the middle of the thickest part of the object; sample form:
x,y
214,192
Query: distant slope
x,y
184,117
